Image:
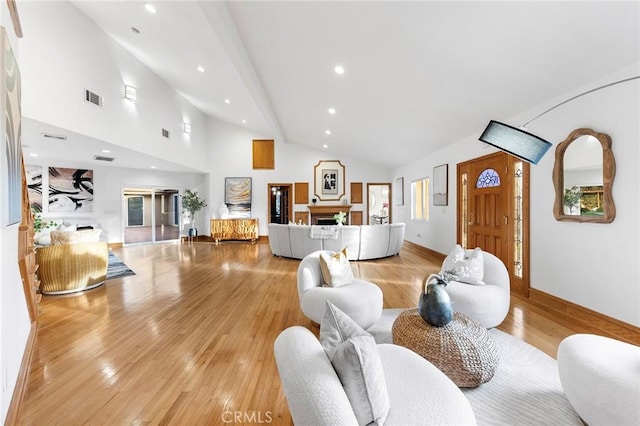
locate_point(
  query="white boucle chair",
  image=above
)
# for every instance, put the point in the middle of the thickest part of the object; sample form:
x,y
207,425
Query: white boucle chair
x,y
601,379
419,393
487,304
361,300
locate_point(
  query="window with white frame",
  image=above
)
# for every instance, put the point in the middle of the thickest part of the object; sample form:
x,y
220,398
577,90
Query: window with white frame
x,y
420,199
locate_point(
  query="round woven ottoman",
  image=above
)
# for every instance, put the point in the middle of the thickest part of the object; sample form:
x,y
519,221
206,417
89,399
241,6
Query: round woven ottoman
x,y
462,349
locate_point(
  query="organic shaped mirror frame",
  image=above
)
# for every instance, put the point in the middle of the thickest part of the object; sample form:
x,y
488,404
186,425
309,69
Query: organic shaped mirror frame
x,y
608,173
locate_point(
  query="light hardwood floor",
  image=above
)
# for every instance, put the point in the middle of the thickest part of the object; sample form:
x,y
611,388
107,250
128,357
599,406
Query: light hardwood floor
x,y
189,339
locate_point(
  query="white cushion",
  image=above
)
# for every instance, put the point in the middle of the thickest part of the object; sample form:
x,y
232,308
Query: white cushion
x,y
70,237
336,270
360,370
336,327
468,265
355,358
68,228
601,378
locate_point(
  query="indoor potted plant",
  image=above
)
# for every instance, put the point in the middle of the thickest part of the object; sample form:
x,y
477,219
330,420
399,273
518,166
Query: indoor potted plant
x,y
193,204
340,218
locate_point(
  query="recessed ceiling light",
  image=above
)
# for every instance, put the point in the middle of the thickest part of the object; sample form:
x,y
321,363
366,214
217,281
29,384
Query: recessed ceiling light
x,y
153,167
33,154
227,101
339,69
150,8
325,146
332,110
106,151
200,68
244,121
327,132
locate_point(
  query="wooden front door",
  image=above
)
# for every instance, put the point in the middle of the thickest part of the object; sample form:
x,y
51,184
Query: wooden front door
x,y
493,212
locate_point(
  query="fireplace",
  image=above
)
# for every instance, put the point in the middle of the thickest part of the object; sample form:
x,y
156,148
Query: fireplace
x,y
323,214
325,221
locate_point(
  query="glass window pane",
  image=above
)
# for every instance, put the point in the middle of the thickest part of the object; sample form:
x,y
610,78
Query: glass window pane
x,y
488,178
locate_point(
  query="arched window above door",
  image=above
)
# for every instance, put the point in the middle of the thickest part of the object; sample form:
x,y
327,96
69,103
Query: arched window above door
x,y
488,178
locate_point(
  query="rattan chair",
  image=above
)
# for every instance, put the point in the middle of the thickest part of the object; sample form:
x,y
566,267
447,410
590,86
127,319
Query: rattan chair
x,y
68,268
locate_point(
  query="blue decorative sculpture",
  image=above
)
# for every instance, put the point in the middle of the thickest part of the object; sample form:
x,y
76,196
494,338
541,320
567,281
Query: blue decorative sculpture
x,y
434,304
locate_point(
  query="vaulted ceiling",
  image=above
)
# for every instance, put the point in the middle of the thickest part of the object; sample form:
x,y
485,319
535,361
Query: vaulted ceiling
x,y
417,75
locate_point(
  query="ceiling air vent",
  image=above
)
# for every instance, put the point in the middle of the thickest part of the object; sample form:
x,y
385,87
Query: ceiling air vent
x,y
103,158
92,98
165,133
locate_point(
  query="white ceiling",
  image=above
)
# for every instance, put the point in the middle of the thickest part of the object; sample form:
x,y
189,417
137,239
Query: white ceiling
x,y
419,75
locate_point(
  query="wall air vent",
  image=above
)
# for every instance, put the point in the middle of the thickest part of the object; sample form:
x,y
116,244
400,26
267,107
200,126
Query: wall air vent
x,y
93,98
165,133
54,136
103,158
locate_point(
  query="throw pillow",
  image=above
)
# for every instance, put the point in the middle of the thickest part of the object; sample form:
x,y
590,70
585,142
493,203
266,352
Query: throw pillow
x,y
70,237
359,367
354,355
468,264
336,327
336,270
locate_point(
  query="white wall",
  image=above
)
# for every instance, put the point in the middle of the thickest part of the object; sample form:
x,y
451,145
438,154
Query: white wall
x,y
108,184
230,155
14,330
592,265
65,52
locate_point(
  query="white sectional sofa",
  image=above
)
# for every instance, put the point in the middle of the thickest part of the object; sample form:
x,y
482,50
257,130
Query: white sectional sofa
x,y
362,241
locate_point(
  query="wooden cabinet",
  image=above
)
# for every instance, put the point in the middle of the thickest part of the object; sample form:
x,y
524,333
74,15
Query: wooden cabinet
x,y
234,229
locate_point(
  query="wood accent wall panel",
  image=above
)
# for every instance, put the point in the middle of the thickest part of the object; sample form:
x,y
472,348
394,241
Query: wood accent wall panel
x,y
263,154
301,192
301,216
356,192
356,217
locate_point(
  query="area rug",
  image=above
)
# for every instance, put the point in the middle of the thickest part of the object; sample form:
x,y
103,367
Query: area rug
x,y
525,389
117,268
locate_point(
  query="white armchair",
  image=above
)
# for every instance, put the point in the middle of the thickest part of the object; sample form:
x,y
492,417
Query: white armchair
x,y
361,300
488,304
419,393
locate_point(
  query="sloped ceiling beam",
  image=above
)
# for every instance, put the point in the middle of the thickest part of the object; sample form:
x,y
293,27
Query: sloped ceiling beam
x,y
223,25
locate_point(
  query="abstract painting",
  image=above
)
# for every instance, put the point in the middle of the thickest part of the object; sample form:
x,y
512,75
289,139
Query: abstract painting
x,y
237,196
12,134
70,190
34,187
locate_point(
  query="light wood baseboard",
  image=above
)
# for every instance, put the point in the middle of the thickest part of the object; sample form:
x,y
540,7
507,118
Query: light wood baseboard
x,y
15,408
425,250
576,313
611,326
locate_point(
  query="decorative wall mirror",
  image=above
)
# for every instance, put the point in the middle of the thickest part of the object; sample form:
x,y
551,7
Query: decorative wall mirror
x,y
583,177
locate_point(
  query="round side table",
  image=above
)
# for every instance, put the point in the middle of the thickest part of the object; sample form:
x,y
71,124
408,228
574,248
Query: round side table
x,y
462,349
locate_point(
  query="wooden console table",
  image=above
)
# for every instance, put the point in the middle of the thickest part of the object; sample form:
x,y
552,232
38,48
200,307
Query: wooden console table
x,y
234,229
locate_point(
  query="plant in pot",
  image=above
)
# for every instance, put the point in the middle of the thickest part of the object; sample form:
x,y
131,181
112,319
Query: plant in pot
x,y
340,218
571,199
193,204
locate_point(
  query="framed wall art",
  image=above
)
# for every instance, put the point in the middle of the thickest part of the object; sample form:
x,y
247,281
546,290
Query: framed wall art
x,y
12,122
237,196
328,182
441,185
70,190
399,192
